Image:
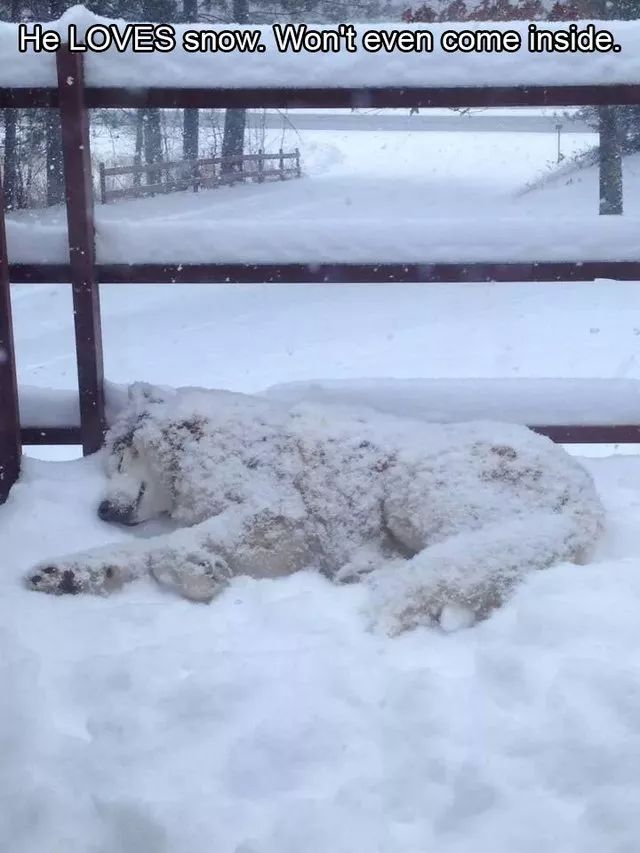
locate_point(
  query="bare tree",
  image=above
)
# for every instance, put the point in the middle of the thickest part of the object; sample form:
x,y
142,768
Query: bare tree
x,y
53,134
11,174
235,121
611,188
191,118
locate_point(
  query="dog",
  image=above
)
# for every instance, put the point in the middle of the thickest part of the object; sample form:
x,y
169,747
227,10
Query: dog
x,y
435,518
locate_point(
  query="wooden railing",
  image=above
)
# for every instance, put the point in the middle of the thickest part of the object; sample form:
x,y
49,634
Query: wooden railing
x,y
74,99
205,173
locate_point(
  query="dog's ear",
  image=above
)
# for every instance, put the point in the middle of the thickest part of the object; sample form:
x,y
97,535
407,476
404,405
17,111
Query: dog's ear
x,y
142,394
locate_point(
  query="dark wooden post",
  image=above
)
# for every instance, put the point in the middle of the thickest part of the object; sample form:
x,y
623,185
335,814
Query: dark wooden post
x,y
79,198
260,166
298,167
10,449
281,165
103,185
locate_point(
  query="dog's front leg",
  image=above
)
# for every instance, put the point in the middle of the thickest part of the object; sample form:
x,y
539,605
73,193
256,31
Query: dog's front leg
x,y
188,558
196,562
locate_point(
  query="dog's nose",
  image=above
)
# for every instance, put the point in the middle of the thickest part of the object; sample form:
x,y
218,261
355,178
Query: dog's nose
x,y
112,512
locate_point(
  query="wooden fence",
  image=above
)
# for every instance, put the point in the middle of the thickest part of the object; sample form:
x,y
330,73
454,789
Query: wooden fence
x,y
205,173
74,99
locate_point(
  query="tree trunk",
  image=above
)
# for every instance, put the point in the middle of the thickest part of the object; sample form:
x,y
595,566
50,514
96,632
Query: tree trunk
x,y
235,121
53,134
11,178
152,127
152,143
137,156
55,167
611,192
191,119
10,170
233,140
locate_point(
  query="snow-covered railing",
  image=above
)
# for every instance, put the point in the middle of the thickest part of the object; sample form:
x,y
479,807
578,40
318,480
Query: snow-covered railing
x,y
283,79
268,76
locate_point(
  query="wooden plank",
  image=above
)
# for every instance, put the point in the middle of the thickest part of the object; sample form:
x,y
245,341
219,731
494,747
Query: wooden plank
x,y
51,435
79,198
10,449
552,272
103,183
40,273
370,98
329,98
26,98
137,192
596,434
566,434
113,171
237,273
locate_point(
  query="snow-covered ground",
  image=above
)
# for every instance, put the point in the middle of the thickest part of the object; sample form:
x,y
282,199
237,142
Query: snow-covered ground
x,y
356,186
272,721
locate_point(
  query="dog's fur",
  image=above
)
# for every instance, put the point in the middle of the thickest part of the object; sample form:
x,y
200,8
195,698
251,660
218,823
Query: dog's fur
x,y
434,515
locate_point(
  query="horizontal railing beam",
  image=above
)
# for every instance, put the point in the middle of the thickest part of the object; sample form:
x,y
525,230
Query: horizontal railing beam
x,y
567,434
57,435
552,272
587,434
325,98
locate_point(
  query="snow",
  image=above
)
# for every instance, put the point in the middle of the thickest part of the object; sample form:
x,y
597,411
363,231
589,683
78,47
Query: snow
x,y
343,241
273,721
338,212
342,69
49,407
174,240
523,401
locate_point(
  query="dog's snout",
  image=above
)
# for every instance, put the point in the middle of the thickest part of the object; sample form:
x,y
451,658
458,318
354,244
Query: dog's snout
x,y
113,512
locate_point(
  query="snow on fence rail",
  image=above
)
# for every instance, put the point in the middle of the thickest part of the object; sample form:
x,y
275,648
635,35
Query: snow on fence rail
x,y
204,173
559,80
114,71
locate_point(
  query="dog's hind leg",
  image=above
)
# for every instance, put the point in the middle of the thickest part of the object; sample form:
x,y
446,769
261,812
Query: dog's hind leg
x,y
475,571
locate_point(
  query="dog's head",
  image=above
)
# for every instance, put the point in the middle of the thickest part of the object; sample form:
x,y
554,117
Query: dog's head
x,y
136,490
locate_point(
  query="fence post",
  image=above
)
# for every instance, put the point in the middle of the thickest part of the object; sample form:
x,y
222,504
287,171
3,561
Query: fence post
x,y
281,165
261,166
10,448
79,197
103,185
298,168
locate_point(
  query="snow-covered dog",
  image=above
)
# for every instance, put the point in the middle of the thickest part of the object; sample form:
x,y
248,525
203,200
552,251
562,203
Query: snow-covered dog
x,y
436,516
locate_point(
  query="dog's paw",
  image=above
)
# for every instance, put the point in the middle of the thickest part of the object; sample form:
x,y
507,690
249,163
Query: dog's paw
x,y
194,576
71,577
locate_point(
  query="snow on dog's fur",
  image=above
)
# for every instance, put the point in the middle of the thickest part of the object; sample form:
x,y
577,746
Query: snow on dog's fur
x,y
440,518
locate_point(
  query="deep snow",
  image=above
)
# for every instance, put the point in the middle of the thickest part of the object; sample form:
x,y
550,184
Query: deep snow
x,y
356,186
273,721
